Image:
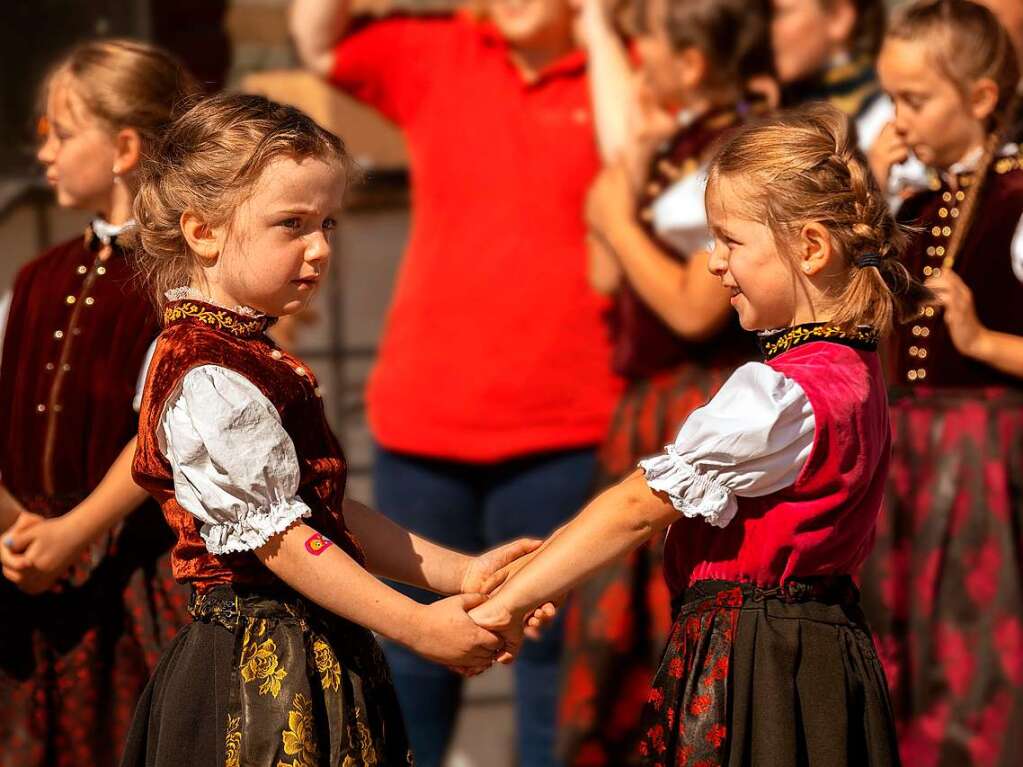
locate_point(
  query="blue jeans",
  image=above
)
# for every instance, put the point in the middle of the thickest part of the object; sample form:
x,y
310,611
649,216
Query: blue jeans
x,y
473,507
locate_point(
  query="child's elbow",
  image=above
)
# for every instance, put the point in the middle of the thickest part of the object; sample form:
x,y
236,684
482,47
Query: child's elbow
x,y
646,512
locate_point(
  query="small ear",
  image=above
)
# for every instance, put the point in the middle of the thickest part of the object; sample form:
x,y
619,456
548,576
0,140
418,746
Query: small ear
x,y
815,248
691,66
128,151
203,239
983,97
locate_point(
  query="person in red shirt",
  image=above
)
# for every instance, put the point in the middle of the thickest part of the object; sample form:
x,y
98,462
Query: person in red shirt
x,y
493,383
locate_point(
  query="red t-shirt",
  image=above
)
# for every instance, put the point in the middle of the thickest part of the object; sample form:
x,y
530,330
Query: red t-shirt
x,y
495,345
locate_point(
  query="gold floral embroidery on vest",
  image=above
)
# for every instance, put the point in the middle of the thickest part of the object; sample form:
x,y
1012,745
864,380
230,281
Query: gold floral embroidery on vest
x,y
327,664
259,661
217,318
300,737
863,337
233,751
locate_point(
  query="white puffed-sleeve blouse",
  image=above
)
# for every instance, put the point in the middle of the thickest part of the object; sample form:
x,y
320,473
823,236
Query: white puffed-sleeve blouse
x,y
753,438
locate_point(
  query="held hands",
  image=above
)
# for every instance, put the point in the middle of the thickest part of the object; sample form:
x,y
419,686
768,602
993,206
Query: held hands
x,y
35,552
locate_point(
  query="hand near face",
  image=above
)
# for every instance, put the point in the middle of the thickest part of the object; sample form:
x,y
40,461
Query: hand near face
x,y
889,149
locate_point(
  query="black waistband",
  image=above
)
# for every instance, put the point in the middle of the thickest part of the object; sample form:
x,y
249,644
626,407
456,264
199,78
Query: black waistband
x,y
831,589
227,605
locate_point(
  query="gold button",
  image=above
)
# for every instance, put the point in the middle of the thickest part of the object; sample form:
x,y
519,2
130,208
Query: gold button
x,y
947,196
82,270
318,392
300,371
50,366
921,374
922,354
924,332
57,408
929,311
65,367
954,213
76,331
911,375
946,231
101,270
936,231
913,350
940,250
90,301
59,334
916,330
943,213
931,250
937,271
276,354
40,408
928,270
70,300
960,195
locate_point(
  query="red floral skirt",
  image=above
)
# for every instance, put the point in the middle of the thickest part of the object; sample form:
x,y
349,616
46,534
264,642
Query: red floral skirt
x,y
943,587
769,677
618,622
74,661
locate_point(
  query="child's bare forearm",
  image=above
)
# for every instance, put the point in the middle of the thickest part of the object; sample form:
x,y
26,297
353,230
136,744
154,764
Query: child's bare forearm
x,y
395,553
114,498
613,524
324,573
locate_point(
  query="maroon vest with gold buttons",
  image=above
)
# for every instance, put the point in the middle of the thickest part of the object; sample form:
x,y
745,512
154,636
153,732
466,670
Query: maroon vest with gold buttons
x,y
195,334
75,341
925,355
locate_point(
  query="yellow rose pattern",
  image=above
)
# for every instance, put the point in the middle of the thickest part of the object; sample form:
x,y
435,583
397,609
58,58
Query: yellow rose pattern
x,y
291,681
300,737
327,664
260,662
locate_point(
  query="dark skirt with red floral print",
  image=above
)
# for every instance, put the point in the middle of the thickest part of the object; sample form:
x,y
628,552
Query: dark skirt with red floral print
x,y
618,622
74,661
772,678
943,587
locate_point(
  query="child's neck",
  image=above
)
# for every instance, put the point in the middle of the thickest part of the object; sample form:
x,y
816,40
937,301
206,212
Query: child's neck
x,y
117,207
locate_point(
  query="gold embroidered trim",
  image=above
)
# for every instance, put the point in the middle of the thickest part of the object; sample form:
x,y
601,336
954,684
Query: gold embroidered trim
x,y
802,334
218,318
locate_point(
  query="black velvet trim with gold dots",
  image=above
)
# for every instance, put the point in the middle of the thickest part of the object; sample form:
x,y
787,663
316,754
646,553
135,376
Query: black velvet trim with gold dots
x,y
216,317
777,342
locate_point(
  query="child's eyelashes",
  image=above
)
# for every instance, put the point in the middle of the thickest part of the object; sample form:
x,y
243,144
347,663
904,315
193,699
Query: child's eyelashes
x,y
294,223
330,224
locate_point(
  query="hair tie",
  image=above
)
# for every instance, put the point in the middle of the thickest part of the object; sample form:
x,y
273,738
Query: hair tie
x,y
869,259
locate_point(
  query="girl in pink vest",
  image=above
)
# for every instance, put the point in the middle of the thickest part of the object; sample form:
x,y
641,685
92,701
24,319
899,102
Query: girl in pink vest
x,y
771,491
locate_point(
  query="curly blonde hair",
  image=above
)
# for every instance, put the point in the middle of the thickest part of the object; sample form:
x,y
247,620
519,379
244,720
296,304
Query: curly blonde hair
x,y
208,161
804,166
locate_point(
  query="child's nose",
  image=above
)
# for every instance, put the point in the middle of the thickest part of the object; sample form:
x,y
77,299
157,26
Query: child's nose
x,y
318,248
717,264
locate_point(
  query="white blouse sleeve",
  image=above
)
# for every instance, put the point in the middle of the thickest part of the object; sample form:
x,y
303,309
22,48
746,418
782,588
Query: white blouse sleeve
x,y
140,383
680,215
234,465
1016,251
751,439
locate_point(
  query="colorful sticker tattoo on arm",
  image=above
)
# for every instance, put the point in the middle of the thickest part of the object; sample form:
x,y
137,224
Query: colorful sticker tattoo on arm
x,y
317,544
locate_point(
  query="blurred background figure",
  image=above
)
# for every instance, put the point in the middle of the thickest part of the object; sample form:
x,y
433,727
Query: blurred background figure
x,y
675,337
825,50
87,586
493,384
942,587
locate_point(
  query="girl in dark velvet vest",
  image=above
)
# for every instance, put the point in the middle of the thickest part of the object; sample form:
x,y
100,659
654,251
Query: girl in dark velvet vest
x,y
675,341
944,588
88,600
236,210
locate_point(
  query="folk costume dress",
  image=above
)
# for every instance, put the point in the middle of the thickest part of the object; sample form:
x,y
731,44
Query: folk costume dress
x,y
234,444
944,587
778,481
617,623
74,660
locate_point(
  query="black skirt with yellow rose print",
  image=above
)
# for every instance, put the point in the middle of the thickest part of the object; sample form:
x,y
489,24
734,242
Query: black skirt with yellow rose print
x,y
268,680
